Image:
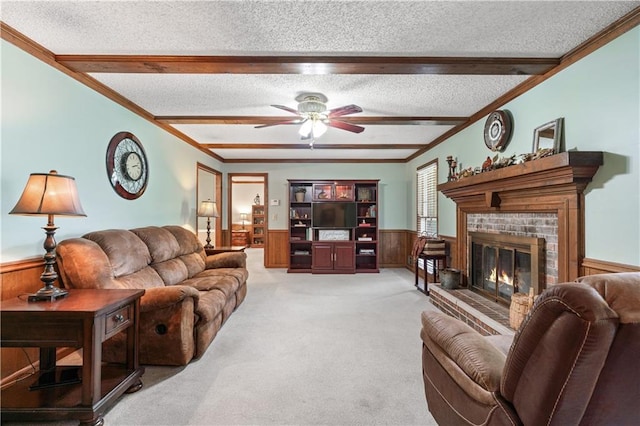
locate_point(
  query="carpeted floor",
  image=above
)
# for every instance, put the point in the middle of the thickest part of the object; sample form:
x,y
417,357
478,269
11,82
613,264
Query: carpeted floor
x,y
301,350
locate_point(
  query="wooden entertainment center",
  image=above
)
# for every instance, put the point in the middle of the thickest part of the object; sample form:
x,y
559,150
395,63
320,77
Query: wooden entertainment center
x,y
333,226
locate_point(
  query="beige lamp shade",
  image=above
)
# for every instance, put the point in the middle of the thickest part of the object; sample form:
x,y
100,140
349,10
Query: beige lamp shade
x,y
49,194
208,208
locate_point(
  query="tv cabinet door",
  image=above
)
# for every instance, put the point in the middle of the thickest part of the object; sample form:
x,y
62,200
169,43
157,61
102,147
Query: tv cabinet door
x,y
334,257
344,257
322,257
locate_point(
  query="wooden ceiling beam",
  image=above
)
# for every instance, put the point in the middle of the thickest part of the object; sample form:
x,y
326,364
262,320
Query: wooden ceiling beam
x,y
255,120
314,160
313,65
316,145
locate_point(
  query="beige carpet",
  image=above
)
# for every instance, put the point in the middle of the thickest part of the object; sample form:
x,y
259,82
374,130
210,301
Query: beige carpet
x,y
301,350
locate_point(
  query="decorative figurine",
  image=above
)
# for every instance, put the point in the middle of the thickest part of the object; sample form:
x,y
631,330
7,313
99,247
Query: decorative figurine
x,y
452,168
256,200
486,166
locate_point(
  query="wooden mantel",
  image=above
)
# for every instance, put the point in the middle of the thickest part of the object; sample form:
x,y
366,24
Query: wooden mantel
x,y
553,184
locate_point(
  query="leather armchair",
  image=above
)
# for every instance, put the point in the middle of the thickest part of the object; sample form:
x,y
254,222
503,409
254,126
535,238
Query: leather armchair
x,y
573,361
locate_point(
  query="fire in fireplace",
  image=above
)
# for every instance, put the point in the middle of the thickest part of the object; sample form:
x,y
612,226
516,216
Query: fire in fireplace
x,y
502,265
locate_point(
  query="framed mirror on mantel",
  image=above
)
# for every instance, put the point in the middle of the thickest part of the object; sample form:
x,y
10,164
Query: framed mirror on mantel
x,y
548,136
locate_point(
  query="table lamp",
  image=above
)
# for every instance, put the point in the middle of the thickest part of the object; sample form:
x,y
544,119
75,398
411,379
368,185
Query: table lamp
x,y
243,217
208,209
49,194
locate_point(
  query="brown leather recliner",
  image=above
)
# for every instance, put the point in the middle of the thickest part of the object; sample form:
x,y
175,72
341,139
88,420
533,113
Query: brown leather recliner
x,y
573,361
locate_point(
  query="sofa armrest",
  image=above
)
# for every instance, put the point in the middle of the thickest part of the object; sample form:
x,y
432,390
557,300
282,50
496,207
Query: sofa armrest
x,y
461,350
161,297
232,259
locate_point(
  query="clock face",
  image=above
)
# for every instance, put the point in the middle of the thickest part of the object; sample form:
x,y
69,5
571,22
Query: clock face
x,y
132,165
127,166
497,130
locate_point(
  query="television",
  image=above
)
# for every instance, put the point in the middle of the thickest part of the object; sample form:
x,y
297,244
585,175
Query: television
x,y
334,215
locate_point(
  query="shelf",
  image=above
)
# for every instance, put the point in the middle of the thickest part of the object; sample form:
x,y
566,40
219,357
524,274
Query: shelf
x,y
333,249
259,225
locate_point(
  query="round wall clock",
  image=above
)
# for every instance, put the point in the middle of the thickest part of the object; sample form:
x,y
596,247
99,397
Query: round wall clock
x,y
127,166
497,130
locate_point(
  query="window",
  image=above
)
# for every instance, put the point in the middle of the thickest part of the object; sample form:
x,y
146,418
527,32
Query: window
x,y
427,197
427,202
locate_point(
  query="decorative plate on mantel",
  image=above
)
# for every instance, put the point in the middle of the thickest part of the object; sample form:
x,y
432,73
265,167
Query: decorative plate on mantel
x,y
497,130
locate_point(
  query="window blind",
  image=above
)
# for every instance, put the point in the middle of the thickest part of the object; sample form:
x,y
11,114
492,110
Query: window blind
x,y
427,202
427,197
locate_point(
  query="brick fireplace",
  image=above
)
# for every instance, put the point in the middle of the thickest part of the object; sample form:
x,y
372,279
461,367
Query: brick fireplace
x,y
541,199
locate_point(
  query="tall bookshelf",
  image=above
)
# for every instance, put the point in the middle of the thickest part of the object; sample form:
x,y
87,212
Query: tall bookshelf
x,y
333,226
258,225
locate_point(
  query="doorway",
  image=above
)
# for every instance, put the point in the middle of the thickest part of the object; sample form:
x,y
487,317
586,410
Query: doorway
x,y
248,210
208,188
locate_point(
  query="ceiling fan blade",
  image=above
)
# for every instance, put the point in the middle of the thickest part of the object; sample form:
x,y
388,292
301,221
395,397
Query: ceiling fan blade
x,y
345,126
293,121
286,108
344,110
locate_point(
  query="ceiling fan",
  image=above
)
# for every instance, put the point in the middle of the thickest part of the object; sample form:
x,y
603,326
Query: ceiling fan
x,y
314,116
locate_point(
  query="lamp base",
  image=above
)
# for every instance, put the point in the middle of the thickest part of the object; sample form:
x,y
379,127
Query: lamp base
x,y
47,294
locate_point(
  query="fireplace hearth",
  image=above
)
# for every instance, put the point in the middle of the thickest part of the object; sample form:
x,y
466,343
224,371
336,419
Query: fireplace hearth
x,y
502,265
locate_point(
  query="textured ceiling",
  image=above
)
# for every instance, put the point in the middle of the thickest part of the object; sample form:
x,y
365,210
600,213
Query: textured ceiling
x,y
331,28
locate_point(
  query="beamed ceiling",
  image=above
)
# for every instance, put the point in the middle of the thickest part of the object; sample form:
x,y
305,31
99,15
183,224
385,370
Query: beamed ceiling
x,y
209,71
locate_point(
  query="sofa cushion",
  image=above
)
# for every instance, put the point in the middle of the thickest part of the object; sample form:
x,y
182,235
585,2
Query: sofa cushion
x,y
175,252
194,263
186,239
172,271
161,243
210,305
239,274
206,281
126,252
144,278
83,264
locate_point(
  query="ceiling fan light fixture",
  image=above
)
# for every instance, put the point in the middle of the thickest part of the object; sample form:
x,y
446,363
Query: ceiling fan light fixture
x,y
306,128
312,127
311,105
319,128
314,117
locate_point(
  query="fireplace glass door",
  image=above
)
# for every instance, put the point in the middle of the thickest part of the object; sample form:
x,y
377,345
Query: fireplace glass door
x,y
500,269
495,274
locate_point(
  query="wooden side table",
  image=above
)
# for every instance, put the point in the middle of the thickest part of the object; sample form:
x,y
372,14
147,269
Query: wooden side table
x,y
83,319
224,249
437,258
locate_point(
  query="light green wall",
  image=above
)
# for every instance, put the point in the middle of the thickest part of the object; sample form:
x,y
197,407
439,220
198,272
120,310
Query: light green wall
x,y
393,188
50,121
599,98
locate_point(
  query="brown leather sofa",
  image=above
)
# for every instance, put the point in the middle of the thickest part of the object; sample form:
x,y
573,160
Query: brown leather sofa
x,y
188,295
573,361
